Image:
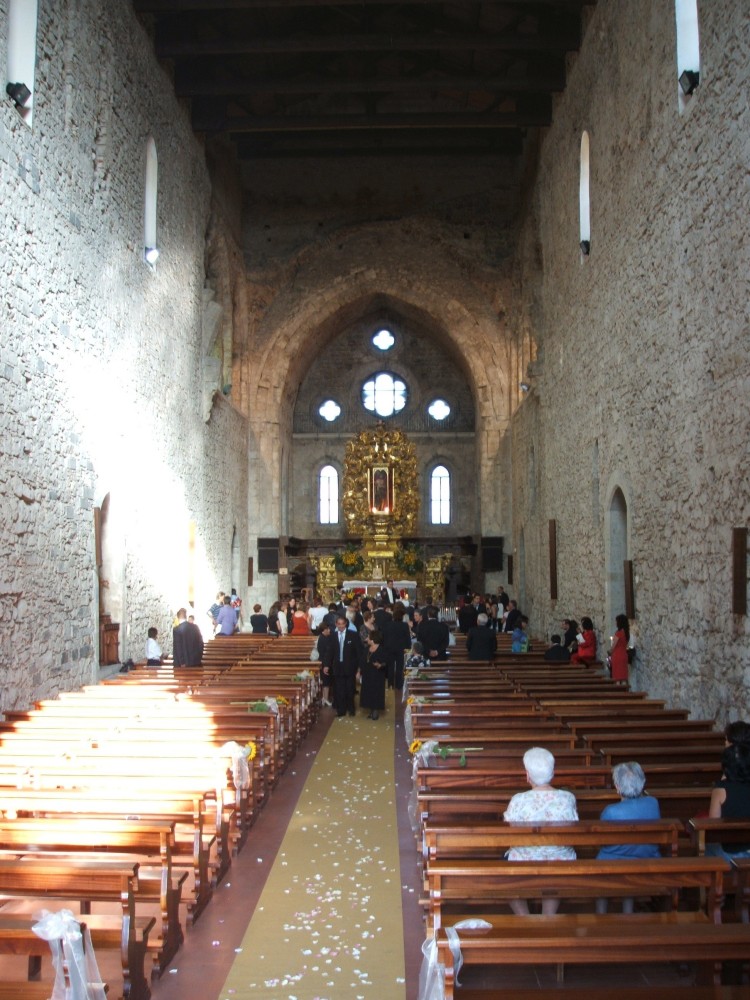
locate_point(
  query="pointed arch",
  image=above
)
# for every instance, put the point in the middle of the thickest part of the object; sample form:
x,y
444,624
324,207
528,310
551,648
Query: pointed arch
x,y
617,548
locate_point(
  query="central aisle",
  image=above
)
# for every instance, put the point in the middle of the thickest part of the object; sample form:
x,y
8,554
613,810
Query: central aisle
x,y
328,925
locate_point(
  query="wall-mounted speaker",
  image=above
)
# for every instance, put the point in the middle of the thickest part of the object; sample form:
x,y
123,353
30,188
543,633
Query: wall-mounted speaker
x,y
268,555
492,553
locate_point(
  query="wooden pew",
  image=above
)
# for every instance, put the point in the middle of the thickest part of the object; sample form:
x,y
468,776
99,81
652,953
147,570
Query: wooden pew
x,y
475,841
96,839
87,880
458,804
687,935
154,806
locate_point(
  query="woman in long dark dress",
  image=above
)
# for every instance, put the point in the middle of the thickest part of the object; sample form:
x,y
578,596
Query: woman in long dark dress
x,y
372,690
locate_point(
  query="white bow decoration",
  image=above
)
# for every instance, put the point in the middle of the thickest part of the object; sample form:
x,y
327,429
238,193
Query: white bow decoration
x,y
73,949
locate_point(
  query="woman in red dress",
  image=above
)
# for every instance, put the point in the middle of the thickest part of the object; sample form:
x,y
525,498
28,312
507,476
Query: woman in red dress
x,y
618,654
586,652
299,623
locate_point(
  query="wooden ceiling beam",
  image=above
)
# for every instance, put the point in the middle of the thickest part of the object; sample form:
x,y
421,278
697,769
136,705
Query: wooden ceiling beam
x,y
295,146
211,119
184,6
196,84
559,42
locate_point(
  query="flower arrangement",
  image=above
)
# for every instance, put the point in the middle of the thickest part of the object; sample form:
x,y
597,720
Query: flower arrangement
x,y
408,560
281,700
252,750
349,561
257,706
415,746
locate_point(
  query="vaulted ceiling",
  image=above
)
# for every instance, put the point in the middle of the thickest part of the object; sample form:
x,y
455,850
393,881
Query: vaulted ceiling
x,y
298,78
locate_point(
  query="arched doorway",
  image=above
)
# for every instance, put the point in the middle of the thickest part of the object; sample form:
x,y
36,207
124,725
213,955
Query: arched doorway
x,y
110,560
617,553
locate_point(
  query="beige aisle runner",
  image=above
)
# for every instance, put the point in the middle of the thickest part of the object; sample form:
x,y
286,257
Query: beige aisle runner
x,y
328,925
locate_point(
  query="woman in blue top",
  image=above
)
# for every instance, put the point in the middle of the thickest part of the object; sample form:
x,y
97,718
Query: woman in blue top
x,y
629,780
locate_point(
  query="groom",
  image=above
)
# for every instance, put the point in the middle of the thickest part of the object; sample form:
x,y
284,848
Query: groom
x,y
345,655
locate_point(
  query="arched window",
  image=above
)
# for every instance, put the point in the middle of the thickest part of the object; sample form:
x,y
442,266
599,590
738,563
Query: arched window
x,y
328,495
150,247
22,21
688,50
440,495
584,198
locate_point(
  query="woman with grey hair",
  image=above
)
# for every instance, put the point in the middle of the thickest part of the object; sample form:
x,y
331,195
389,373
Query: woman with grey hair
x,y
543,804
634,805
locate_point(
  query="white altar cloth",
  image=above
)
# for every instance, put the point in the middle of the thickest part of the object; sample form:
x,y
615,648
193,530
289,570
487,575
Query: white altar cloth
x,y
375,586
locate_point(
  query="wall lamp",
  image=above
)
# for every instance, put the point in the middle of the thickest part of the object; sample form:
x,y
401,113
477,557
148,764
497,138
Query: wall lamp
x,y
19,93
689,80
151,255
585,247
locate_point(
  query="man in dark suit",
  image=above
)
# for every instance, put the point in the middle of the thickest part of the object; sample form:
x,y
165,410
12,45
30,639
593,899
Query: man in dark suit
x,y
389,594
434,636
514,617
467,617
481,641
187,642
557,653
345,655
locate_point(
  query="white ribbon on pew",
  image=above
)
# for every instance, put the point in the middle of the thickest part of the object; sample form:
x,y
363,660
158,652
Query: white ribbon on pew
x,y
73,949
422,758
432,973
240,767
273,705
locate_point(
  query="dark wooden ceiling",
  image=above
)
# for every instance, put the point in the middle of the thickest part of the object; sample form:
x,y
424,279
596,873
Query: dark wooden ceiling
x,y
366,77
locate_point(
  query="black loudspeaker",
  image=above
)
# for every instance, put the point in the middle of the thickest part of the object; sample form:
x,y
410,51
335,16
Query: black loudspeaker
x,y
492,554
268,555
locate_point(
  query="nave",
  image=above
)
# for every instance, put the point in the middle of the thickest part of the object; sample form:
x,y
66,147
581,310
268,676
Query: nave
x,y
218,950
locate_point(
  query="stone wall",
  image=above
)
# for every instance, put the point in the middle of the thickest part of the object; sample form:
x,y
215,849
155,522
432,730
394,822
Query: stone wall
x,y
101,360
642,378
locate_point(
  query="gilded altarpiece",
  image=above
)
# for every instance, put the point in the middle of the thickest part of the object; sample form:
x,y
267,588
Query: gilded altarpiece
x,y
380,496
380,501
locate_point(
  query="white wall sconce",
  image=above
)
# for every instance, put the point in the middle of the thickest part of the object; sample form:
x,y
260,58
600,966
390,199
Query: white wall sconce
x,y
151,255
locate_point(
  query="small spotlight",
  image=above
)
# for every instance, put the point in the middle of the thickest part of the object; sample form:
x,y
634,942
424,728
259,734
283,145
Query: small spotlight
x,y
689,80
19,93
585,247
151,255
524,386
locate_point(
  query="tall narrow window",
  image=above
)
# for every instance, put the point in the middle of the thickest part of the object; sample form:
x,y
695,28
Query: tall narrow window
x,y
22,18
328,495
584,198
688,49
440,496
150,247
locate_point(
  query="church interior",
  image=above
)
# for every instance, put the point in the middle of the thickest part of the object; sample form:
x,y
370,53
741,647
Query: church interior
x,y
303,294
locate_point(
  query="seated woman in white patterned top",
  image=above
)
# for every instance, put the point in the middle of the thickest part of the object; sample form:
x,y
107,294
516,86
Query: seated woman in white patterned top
x,y
543,804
